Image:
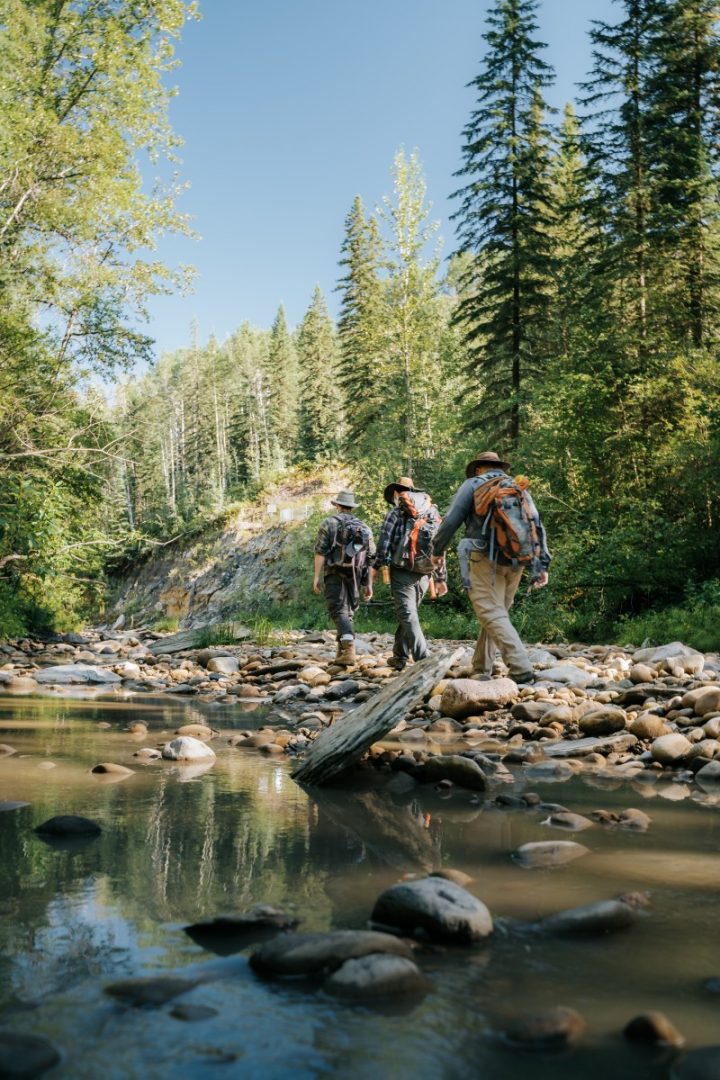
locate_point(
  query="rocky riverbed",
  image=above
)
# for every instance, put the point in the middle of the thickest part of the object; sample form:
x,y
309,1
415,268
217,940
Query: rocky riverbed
x,y
641,727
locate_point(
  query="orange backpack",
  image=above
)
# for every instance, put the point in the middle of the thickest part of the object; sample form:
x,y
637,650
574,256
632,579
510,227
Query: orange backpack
x,y
421,520
502,505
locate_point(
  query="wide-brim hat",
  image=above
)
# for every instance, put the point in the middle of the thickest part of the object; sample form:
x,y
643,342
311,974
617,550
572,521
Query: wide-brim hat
x,y
487,457
344,498
403,483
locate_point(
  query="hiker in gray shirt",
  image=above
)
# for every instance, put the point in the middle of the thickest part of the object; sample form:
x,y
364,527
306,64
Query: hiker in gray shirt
x,y
491,572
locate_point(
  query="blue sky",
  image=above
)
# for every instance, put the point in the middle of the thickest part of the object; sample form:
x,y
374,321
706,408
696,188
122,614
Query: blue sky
x,y
289,108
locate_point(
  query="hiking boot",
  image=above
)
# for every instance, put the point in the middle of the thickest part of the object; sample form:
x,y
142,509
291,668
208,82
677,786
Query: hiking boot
x,y
525,678
397,663
345,654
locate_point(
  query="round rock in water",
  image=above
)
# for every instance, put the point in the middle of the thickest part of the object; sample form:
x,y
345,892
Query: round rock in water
x,y
549,853
25,1056
68,825
702,1064
566,820
192,1012
152,991
553,1029
600,918
441,908
374,976
110,768
671,749
462,771
313,954
186,748
196,731
655,1028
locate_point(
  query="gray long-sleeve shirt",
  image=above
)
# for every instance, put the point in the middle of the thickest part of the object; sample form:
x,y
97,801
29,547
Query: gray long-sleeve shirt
x,y
462,510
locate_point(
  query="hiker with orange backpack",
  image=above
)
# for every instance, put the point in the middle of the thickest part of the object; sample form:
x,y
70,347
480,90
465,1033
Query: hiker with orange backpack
x,y
405,547
503,536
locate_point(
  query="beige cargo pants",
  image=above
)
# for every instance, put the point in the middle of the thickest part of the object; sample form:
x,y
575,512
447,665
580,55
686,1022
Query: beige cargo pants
x,y
492,591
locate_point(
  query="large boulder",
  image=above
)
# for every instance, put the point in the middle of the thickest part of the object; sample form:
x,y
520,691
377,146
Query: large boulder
x,y
603,720
468,697
76,673
315,954
441,908
186,748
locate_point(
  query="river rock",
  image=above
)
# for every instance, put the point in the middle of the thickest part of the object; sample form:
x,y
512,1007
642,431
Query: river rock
x,y
548,853
139,727
534,711
20,684
708,701
186,748
376,976
653,1027
709,775
467,697
190,1012
6,750
568,674
23,1057
227,934
76,673
314,676
605,720
657,654
566,820
196,731
147,753
671,749
554,771
648,726
600,918
711,728
458,770
68,825
642,673
702,1064
552,1029
225,665
635,820
156,990
110,768
343,689
314,954
441,908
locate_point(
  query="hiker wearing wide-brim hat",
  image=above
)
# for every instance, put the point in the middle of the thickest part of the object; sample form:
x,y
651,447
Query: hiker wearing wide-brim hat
x,y
403,483
404,555
343,549
503,534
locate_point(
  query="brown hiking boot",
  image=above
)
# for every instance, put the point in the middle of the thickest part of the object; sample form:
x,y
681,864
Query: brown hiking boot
x,y
345,653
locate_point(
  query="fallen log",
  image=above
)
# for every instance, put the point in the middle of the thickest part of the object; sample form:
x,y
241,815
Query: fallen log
x,y
189,639
343,744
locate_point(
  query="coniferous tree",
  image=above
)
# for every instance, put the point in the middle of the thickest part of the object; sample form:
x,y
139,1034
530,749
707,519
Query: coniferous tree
x,y
504,221
361,331
320,398
282,389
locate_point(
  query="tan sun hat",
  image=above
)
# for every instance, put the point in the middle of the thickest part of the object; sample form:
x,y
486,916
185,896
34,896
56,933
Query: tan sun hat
x,y
344,498
487,457
403,483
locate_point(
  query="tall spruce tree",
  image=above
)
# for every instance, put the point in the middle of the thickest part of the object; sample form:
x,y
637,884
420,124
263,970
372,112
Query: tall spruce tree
x,y
321,418
361,330
282,389
503,220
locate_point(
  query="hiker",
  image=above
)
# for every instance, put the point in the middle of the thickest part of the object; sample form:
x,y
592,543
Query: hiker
x,y
342,550
503,535
405,545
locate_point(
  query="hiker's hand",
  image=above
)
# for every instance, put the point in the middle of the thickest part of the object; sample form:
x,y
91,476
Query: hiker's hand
x,y
316,585
541,581
368,593
438,560
441,588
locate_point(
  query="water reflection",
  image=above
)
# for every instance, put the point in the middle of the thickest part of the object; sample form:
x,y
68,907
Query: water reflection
x,y
180,844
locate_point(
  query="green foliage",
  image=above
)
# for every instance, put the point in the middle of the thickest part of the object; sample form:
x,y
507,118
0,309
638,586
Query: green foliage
x,y
167,624
696,621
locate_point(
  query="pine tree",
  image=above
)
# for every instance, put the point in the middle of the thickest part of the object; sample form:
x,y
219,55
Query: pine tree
x,y
361,332
282,390
320,398
504,222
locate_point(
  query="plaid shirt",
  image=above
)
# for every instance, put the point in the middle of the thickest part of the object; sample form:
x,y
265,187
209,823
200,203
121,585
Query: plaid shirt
x,y
390,535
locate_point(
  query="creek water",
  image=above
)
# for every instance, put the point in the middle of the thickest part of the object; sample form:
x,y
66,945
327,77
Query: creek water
x,y
179,844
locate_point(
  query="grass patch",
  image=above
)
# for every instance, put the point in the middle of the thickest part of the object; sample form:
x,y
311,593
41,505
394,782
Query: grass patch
x,y
695,621
169,624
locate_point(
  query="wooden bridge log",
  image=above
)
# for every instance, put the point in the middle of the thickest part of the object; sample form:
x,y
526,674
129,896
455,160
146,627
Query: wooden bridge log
x,y
344,743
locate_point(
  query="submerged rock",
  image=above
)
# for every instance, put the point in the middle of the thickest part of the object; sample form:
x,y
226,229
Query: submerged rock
x,y
552,1029
377,975
314,954
153,991
441,908
68,825
458,770
600,918
548,853
566,820
23,1057
110,768
227,934
655,1028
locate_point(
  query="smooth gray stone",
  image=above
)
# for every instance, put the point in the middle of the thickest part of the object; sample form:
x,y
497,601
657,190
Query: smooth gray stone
x,y
441,908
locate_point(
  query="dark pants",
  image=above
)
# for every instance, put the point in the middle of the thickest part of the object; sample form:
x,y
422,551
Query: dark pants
x,y
342,598
408,590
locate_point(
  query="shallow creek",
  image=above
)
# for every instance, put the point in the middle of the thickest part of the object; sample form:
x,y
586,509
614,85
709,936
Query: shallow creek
x,y
179,844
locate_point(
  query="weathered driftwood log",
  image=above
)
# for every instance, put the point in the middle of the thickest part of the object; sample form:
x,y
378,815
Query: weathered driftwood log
x,y
392,833
188,639
343,744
